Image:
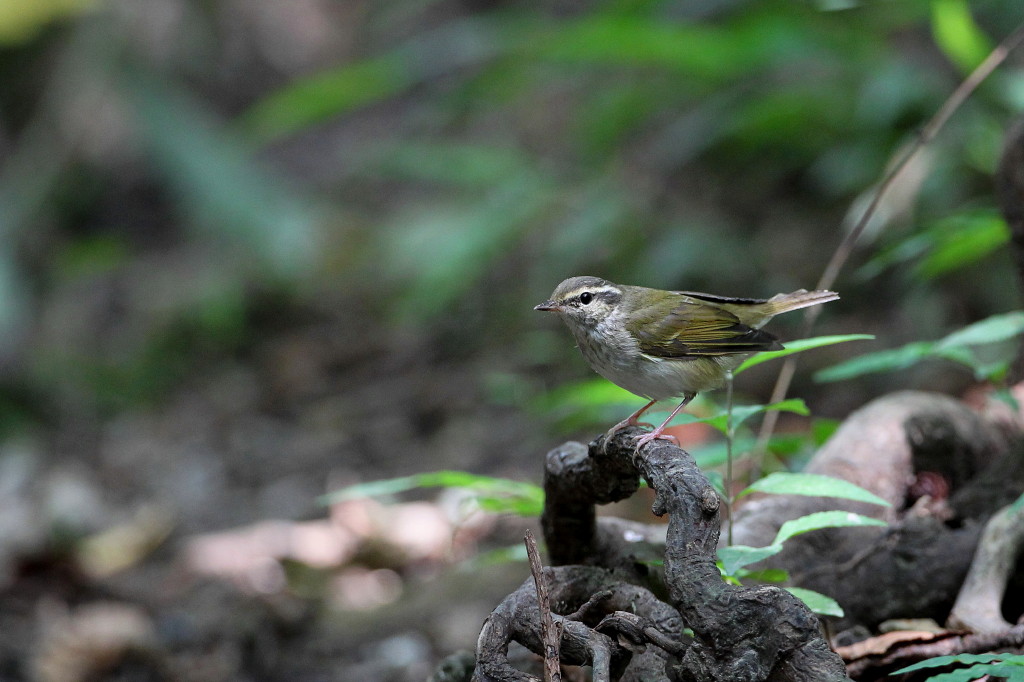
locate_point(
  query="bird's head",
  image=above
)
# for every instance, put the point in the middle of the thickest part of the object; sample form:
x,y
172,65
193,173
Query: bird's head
x,y
584,300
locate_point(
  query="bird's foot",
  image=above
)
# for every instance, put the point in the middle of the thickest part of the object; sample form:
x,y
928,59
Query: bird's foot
x,y
611,432
624,424
657,434
631,420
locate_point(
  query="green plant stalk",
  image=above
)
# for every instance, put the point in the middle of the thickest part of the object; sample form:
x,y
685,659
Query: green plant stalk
x,y
730,434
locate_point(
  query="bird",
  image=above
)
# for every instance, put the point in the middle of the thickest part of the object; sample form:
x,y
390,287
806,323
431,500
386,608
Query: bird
x,y
661,344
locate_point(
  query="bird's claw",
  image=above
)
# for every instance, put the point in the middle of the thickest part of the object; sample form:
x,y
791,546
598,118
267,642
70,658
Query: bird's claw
x,y
653,436
615,429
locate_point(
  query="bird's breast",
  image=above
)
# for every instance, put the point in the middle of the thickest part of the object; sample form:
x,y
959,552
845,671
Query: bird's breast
x,y
615,355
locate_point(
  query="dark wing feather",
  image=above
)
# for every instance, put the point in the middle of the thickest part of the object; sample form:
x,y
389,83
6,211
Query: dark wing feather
x,y
715,299
692,329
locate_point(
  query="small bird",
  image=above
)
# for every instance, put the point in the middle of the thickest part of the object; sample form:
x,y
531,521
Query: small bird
x,y
667,344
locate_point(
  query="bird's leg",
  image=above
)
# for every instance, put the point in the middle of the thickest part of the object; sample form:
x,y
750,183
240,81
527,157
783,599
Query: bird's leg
x,y
658,433
631,420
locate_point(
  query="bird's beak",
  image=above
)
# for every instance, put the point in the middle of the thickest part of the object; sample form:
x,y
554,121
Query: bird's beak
x,y
548,305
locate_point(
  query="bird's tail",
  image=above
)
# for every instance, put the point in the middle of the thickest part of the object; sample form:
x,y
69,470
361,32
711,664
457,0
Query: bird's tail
x,y
783,303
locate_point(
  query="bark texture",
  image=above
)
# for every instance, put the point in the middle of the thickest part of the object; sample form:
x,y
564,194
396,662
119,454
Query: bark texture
x,y
740,634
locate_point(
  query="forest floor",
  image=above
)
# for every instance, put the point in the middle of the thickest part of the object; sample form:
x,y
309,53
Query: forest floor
x,y
184,539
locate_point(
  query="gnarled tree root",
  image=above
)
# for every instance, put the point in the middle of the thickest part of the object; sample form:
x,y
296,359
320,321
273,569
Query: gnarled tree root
x,y
582,597
741,634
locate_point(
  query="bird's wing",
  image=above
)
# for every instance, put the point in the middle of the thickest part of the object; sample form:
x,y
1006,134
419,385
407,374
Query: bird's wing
x,y
690,327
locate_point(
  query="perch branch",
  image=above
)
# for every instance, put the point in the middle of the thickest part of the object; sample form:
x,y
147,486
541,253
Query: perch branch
x,y
740,633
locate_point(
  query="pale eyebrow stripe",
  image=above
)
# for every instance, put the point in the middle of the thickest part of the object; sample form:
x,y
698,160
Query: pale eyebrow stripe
x,y
596,291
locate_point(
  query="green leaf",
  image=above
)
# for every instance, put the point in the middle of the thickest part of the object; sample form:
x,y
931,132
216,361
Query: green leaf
x,y
800,346
741,413
20,22
1002,666
825,519
316,98
714,454
495,557
950,244
822,429
963,675
954,347
813,485
470,165
517,505
944,661
596,392
990,330
1013,672
906,250
215,180
500,495
786,445
334,92
735,557
817,602
700,51
584,404
1010,671
882,361
957,35
962,240
768,575
433,257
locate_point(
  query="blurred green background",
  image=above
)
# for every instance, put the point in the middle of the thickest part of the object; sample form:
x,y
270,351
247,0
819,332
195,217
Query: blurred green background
x,y
257,249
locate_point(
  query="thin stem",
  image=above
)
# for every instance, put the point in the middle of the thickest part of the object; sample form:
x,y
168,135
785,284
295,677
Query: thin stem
x,y
551,632
845,248
730,436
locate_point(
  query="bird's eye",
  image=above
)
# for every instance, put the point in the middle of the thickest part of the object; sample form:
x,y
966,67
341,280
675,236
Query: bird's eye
x,y
586,297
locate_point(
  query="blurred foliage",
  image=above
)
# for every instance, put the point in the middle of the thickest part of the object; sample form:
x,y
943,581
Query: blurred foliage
x,y
986,347
490,494
20,20
439,166
958,35
951,243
